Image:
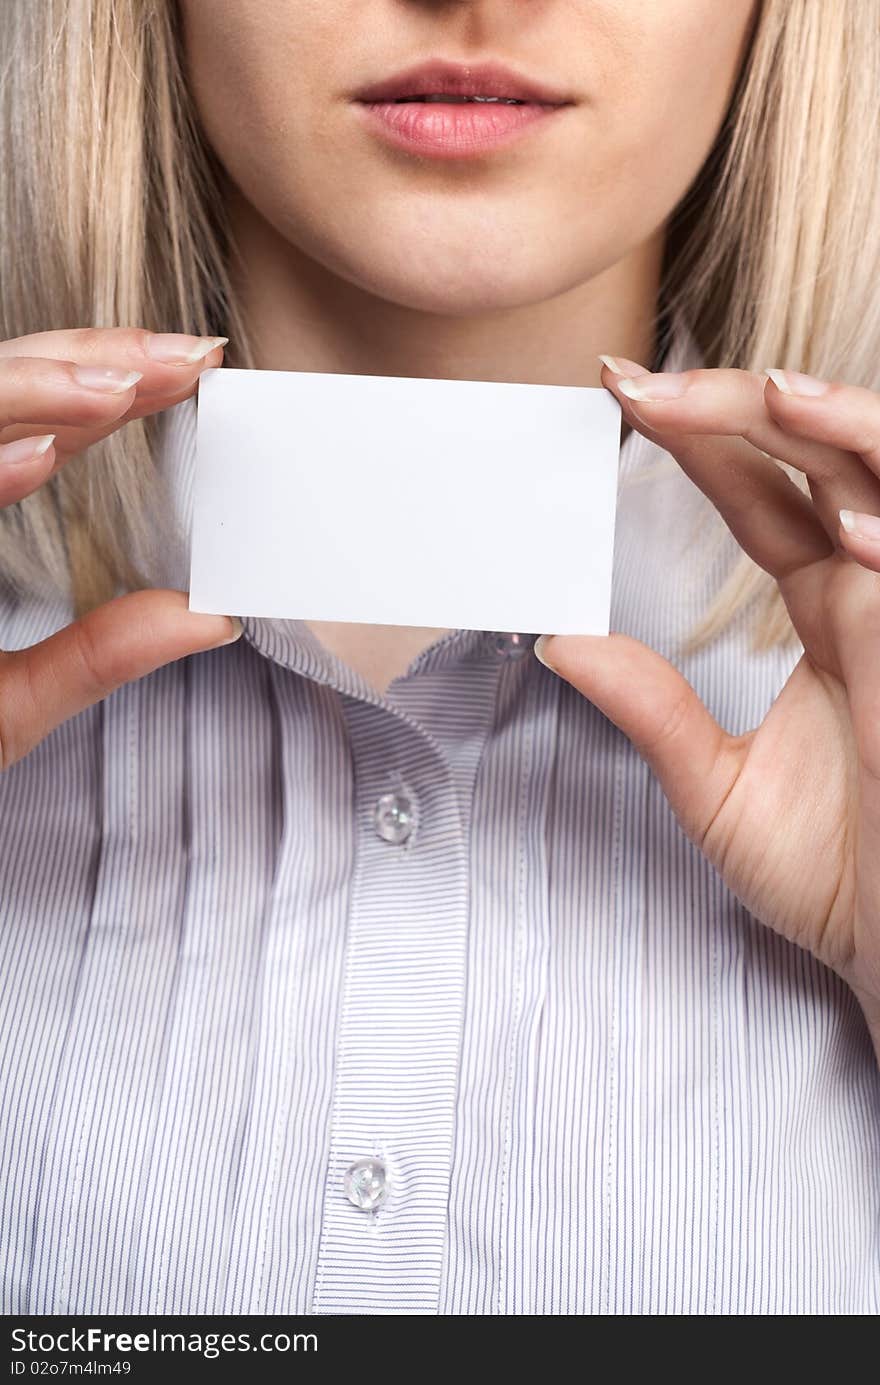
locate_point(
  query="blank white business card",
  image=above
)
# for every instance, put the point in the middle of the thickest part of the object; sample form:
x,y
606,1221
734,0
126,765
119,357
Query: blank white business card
x,y
460,504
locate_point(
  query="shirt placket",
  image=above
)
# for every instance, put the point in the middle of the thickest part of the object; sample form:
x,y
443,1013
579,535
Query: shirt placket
x,y
390,1155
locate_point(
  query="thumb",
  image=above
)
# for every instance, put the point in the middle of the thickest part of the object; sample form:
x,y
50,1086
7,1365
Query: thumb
x,y
125,639
694,759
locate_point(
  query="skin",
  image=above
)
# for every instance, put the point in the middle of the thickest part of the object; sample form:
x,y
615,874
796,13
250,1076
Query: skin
x,y
522,265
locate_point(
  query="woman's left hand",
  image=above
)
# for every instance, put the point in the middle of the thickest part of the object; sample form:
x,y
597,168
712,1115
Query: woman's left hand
x,y
789,814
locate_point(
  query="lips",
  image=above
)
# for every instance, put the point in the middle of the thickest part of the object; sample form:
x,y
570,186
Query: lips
x,y
446,110
437,78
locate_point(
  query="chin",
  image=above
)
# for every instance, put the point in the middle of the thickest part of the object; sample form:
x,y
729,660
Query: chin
x,y
463,300
452,285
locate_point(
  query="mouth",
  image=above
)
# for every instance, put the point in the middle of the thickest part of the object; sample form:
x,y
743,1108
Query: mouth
x,y
441,81
449,110
459,100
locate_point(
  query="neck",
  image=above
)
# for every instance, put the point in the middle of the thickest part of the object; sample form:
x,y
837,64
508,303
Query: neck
x,y
302,316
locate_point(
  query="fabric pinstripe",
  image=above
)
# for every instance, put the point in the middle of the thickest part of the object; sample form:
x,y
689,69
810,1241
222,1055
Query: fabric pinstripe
x,y
597,1083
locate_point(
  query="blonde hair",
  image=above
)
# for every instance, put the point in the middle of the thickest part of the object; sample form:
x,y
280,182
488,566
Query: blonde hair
x,y
771,256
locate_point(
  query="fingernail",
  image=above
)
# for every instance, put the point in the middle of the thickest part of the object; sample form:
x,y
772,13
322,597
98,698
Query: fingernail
x,y
539,648
176,348
25,449
792,382
651,387
861,526
237,629
621,366
105,379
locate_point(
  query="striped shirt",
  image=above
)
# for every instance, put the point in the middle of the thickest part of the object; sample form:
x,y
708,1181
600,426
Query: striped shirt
x,y
261,924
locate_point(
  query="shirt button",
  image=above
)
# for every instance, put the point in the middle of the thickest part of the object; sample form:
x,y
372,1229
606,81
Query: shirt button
x,y
510,645
393,816
365,1184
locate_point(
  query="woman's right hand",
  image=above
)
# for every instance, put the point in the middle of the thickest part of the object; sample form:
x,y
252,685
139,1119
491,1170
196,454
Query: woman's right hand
x,y
60,392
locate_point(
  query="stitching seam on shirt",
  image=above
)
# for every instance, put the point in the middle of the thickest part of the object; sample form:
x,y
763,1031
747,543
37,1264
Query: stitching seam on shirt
x,y
163,1232
324,1232
490,730
518,996
280,910
109,989
617,941
716,1097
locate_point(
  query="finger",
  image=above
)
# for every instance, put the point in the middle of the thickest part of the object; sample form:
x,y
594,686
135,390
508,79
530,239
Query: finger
x,y
841,429
125,639
168,366
35,392
734,403
694,759
24,467
71,441
861,670
842,416
157,354
769,516
860,536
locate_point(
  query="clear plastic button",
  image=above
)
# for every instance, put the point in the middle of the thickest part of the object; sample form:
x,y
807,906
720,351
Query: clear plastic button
x,y
394,817
511,645
366,1184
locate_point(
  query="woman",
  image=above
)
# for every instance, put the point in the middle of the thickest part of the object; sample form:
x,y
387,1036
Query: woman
x,y
381,970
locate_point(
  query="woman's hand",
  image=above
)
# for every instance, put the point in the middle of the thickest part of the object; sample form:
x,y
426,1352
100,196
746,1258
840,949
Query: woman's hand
x,y
789,814
60,392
